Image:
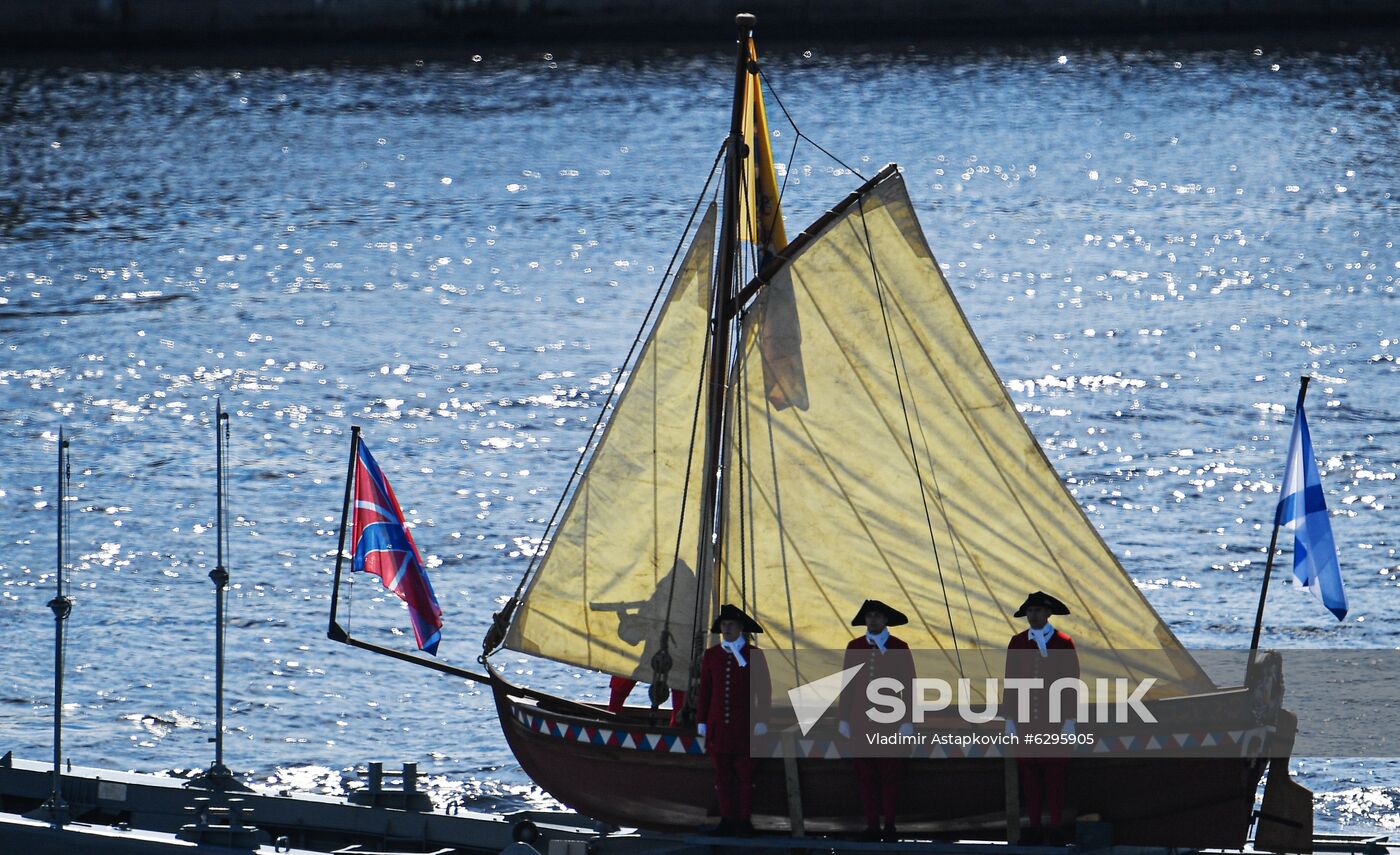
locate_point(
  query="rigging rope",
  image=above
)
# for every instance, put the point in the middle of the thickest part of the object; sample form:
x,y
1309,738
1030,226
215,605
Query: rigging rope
x,y
685,499
908,428
938,493
741,384
787,170
747,195
500,622
612,392
800,134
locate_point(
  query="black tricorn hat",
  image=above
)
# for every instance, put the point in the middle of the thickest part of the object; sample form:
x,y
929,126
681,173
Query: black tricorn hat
x,y
733,612
893,616
1040,598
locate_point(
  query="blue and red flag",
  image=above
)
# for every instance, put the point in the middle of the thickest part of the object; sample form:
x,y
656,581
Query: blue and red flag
x,y
384,547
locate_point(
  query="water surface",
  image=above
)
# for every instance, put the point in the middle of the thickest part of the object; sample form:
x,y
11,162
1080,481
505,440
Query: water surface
x,y
454,253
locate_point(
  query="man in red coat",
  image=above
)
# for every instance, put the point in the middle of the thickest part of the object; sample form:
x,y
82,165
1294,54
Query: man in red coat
x,y
1046,654
732,704
881,655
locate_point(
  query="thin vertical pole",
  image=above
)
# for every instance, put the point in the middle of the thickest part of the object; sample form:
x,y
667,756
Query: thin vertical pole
x,y
1273,542
218,777
61,606
334,631
219,576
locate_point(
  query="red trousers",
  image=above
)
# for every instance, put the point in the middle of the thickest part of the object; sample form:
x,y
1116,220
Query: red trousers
x,y
1043,784
620,687
879,787
734,772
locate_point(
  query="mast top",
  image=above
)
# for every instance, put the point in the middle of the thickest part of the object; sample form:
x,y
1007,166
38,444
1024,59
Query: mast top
x,y
745,22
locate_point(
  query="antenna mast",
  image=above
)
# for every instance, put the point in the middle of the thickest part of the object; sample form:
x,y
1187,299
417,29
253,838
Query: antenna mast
x,y
61,606
218,777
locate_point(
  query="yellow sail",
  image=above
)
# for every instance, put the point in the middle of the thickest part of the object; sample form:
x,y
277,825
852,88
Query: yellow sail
x,y
907,474
600,597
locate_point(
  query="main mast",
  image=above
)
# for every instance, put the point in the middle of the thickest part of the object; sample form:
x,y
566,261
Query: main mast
x,y
721,327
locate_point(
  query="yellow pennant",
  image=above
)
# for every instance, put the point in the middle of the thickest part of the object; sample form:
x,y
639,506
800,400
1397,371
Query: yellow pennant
x,y
761,220
761,223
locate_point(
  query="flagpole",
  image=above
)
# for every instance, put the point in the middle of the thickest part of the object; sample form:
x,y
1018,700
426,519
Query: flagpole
x,y
1273,541
334,631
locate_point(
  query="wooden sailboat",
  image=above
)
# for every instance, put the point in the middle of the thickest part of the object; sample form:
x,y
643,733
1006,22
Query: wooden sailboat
x,y
809,422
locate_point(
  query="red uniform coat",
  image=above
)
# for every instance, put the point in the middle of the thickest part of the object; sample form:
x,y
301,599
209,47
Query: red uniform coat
x,y
896,661
1023,660
732,698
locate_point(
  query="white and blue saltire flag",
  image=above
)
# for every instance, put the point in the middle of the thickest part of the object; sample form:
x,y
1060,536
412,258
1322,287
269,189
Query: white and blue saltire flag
x,y
1303,510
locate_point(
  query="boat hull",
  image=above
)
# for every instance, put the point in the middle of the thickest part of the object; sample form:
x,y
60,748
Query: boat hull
x,y
636,774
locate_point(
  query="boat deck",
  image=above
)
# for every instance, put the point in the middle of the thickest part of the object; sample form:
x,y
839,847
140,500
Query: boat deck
x,y
125,813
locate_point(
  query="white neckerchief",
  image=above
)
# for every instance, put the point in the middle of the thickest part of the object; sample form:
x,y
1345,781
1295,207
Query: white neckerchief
x,y
879,639
734,647
1040,636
